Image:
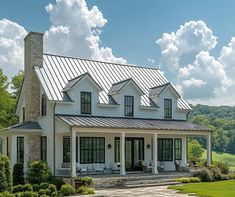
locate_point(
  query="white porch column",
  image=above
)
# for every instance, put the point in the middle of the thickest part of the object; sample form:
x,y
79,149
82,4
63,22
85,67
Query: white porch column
x,y
122,154
73,154
13,156
155,153
209,149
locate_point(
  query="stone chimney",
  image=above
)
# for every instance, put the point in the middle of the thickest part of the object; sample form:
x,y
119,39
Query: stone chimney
x,y
33,56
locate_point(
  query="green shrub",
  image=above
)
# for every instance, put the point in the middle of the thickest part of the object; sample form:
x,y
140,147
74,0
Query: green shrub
x,y
231,175
8,172
29,194
17,188
6,194
44,185
55,181
224,168
38,172
52,188
54,194
86,181
204,175
36,187
44,195
183,180
18,174
216,174
28,188
85,190
3,184
42,191
66,190
194,180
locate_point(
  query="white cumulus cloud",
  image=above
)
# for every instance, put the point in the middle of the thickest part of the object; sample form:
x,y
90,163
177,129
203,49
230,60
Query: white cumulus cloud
x,y
11,46
75,31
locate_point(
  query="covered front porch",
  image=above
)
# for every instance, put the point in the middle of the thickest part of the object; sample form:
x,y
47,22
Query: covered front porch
x,y
94,150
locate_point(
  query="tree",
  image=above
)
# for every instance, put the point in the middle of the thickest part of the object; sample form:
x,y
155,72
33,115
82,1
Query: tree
x,y
17,82
220,140
7,103
195,151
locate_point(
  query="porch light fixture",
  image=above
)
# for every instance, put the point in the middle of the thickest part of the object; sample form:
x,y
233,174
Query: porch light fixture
x,y
109,146
148,146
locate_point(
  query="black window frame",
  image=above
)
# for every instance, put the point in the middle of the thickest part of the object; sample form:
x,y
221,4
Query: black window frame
x,y
43,105
128,106
20,149
66,150
44,148
117,149
165,149
85,106
168,108
178,149
91,154
23,114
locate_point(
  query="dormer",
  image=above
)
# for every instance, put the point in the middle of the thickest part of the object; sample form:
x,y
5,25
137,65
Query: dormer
x,y
120,86
75,81
155,92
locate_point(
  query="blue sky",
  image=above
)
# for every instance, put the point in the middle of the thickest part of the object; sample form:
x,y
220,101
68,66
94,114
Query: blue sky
x,y
132,29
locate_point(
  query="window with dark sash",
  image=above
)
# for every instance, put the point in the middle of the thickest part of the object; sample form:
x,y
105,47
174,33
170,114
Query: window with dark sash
x,y
23,111
117,149
44,148
85,102
43,105
128,105
92,150
165,149
178,149
66,149
20,149
167,108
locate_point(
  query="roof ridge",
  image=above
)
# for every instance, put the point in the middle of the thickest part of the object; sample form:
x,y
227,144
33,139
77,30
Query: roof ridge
x,y
106,62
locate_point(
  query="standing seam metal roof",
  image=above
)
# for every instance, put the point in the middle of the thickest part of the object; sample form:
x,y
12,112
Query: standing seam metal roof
x,y
58,70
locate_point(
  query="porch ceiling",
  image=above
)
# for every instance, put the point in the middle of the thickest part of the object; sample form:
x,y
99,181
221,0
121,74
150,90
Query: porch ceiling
x,y
129,123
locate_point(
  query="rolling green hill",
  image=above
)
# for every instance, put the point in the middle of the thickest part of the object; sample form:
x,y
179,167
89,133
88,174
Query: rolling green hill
x,y
225,157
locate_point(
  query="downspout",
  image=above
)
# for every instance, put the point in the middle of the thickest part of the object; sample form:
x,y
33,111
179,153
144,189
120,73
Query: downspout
x,y
54,159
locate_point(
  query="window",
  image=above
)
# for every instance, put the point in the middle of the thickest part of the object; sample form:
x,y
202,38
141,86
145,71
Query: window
x,y
117,149
92,150
66,149
20,149
167,108
165,149
129,105
85,102
178,149
23,115
44,148
44,105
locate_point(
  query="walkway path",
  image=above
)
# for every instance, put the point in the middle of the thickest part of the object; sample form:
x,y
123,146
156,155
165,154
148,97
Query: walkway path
x,y
158,191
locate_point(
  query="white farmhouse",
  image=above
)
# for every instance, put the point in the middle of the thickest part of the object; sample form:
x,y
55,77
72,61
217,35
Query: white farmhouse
x,y
87,116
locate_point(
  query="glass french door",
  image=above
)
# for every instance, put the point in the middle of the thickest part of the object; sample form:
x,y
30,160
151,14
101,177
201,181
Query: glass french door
x,y
134,148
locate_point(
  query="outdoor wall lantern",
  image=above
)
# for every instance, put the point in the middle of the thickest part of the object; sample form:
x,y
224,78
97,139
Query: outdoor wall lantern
x,y
109,146
148,146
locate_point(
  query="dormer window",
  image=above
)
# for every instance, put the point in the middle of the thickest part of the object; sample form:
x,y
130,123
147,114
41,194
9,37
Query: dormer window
x,y
85,102
128,105
43,105
167,108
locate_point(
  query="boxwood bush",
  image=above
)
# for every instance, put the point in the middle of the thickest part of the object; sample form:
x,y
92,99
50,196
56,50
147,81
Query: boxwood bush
x,y
66,190
18,174
204,175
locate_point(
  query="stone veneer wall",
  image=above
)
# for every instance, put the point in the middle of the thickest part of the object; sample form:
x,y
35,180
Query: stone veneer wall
x,y
34,147
33,57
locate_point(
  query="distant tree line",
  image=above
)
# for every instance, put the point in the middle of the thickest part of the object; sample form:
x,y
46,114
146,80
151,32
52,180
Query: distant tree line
x,y
221,120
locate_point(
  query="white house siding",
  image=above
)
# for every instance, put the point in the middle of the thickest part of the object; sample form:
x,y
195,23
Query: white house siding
x,y
118,111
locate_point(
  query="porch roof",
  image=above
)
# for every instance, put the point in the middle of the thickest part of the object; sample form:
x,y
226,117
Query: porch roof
x,y
24,126
129,123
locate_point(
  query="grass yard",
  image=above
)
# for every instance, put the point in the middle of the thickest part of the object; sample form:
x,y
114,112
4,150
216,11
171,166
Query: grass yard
x,y
209,189
225,157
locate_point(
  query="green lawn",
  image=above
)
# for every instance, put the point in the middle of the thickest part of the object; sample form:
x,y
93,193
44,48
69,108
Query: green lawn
x,y
211,189
225,157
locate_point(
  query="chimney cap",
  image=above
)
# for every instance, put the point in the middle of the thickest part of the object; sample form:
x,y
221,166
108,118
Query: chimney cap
x,y
35,33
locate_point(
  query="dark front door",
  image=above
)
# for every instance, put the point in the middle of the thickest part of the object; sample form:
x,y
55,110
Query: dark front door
x,y
134,153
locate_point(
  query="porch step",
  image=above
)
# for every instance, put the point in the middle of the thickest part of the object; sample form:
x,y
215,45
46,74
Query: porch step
x,y
148,183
